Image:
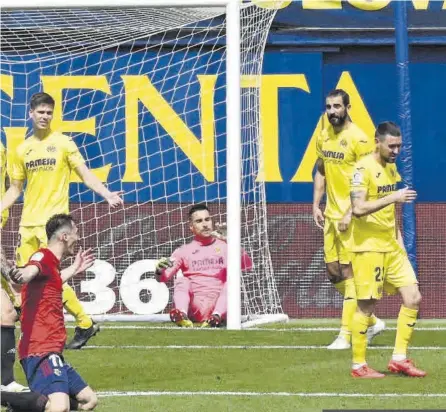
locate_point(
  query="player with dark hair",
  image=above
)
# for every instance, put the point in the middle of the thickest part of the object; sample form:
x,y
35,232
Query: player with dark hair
x,y
379,258
45,160
339,147
55,385
200,294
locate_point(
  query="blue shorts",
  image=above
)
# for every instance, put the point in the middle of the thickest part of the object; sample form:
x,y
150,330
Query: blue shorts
x,y
50,374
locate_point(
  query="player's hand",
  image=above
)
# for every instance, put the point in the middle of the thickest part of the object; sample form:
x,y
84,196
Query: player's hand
x,y
114,198
220,232
163,263
318,217
344,223
16,275
405,195
83,260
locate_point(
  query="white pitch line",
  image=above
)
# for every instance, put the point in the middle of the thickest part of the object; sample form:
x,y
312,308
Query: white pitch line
x,y
195,347
296,394
300,329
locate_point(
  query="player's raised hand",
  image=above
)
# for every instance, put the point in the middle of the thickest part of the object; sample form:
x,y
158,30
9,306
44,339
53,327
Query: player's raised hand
x,y
83,260
318,217
221,231
405,195
114,198
163,263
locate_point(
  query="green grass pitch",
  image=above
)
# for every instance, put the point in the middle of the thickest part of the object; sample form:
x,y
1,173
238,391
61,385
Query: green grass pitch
x,y
277,368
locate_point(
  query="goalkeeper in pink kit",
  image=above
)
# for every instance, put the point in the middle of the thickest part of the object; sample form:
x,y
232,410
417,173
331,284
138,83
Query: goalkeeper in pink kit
x,y
200,295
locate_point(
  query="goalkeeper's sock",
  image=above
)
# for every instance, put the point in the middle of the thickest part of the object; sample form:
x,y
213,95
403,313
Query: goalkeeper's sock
x,y
8,354
407,318
348,309
74,307
24,401
360,325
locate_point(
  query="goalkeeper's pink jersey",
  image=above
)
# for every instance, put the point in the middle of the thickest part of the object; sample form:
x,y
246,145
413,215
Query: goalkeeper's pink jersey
x,y
201,259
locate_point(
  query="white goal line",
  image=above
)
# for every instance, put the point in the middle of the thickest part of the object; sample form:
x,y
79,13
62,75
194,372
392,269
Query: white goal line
x,y
213,347
284,394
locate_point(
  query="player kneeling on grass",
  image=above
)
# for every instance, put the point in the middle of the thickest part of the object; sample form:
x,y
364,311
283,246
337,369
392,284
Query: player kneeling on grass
x,y
55,385
379,257
200,295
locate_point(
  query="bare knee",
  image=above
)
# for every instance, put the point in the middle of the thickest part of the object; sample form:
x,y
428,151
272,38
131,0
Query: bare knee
x,y
334,272
366,307
8,313
88,399
411,296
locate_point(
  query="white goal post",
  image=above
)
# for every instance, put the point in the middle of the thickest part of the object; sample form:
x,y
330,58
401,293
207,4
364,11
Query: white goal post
x,y
229,46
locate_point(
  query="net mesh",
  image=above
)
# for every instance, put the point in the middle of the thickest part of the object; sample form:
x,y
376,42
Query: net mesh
x,y
142,92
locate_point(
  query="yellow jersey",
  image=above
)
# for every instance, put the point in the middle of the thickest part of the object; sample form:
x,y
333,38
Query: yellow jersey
x,y
5,213
340,152
376,232
46,165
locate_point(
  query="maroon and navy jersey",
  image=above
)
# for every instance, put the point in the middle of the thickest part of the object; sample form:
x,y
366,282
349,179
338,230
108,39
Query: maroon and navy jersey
x,y
42,319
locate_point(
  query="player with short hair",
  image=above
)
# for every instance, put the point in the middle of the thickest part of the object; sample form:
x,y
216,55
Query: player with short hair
x,y
8,312
379,258
45,160
339,147
200,295
55,385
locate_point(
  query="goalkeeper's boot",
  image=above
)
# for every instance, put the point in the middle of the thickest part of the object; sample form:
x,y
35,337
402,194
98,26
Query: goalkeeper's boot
x,y
406,367
375,330
82,336
180,319
339,343
366,373
213,322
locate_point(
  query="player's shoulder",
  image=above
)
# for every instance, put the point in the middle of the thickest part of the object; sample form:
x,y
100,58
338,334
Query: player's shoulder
x,y
366,163
60,139
39,256
358,135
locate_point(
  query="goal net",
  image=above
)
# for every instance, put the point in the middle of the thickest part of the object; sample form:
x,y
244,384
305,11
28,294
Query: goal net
x,y
142,92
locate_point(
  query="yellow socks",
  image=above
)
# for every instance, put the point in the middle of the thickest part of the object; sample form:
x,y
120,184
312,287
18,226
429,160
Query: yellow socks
x,y
348,308
74,307
407,319
360,325
372,320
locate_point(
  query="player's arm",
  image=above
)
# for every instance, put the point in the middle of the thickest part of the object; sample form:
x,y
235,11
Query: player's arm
x,y
12,194
318,192
4,265
90,179
83,261
24,275
167,268
363,207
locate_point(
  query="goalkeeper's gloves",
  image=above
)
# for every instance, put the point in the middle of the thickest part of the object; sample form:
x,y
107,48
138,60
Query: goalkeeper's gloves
x,y
162,264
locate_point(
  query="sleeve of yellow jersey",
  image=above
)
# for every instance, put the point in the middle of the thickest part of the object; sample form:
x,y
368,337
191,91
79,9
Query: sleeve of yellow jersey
x,y
364,145
360,178
16,166
73,156
319,140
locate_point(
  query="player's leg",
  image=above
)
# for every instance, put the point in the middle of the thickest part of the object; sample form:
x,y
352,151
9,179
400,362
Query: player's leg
x,y
8,350
368,285
218,308
181,302
82,397
402,277
87,400
335,276
25,401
